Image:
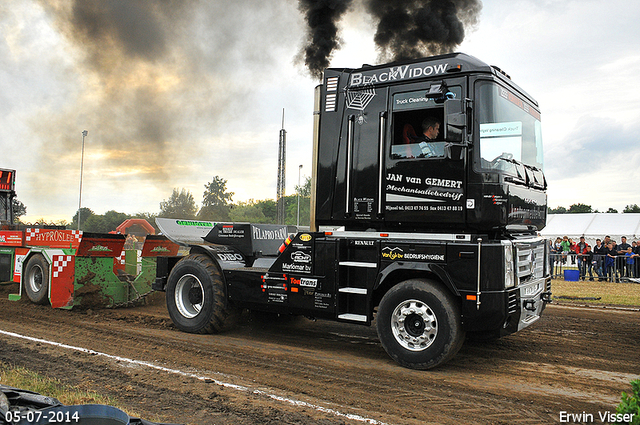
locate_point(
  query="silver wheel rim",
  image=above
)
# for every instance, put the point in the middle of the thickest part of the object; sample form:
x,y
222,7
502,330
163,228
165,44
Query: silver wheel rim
x,y
35,278
189,296
414,325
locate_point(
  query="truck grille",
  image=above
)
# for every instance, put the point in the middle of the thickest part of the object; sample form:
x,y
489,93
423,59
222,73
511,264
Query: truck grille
x,y
530,260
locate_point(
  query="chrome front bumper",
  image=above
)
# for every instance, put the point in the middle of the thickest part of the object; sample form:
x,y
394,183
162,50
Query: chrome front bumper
x,y
534,296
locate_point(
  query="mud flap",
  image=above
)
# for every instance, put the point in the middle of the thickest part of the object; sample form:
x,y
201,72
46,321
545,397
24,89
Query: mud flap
x,y
63,269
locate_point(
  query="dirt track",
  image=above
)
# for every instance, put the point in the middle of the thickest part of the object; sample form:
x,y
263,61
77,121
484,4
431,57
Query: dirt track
x,y
574,360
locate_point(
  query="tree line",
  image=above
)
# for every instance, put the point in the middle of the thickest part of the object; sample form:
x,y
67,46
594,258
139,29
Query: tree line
x,y
217,205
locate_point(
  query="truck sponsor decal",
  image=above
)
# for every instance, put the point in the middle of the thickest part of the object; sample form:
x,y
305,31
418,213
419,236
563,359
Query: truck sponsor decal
x,y
403,198
426,253
401,188
363,207
396,73
159,249
11,238
155,246
363,243
300,257
411,193
519,103
194,223
228,231
303,281
495,199
277,293
53,238
230,257
308,286
268,234
279,298
21,255
424,257
415,99
392,253
322,300
409,100
428,181
300,268
100,248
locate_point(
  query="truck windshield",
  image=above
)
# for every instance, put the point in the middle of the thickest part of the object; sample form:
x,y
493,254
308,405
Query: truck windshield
x,y
510,132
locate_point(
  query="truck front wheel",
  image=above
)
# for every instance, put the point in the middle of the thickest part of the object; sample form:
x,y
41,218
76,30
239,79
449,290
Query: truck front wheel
x,y
419,324
36,280
195,296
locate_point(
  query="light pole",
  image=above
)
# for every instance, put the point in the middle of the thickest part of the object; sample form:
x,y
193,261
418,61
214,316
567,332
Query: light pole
x,y
298,220
84,134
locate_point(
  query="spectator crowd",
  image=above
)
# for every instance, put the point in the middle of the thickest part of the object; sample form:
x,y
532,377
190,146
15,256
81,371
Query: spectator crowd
x,y
607,260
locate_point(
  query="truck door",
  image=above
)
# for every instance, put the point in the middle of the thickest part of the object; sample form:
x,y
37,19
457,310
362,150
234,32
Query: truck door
x,y
365,115
424,178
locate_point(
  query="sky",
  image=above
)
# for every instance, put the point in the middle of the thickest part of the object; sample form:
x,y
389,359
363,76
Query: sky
x,y
175,93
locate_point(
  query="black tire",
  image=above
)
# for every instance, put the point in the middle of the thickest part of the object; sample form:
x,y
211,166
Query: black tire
x,y
434,334
195,296
36,280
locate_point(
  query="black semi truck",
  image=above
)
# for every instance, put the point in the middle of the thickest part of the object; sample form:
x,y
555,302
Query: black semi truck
x,y
434,238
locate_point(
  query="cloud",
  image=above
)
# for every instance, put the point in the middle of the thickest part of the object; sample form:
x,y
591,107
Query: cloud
x,y
595,164
167,91
595,144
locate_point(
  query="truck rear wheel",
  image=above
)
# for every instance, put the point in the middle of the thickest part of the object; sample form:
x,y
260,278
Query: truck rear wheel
x,y
419,324
36,279
195,296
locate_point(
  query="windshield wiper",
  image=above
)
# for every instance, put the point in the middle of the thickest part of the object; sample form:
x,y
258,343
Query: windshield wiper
x,y
526,179
538,185
522,179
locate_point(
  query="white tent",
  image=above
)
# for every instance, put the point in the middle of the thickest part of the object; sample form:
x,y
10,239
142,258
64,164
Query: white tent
x,y
593,226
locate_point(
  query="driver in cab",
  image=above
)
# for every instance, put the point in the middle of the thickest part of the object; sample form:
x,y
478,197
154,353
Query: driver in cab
x,y
430,130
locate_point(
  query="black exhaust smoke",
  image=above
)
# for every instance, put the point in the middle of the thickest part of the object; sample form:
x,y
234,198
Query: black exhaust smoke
x,y
406,29
322,17
127,49
409,29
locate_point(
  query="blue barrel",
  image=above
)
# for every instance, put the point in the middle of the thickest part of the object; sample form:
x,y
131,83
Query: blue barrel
x,y
572,275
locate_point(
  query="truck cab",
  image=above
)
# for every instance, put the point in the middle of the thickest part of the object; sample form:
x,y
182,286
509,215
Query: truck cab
x,y
375,169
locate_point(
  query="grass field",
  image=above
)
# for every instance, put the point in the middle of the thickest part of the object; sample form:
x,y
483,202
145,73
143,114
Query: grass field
x,y
24,379
609,293
18,377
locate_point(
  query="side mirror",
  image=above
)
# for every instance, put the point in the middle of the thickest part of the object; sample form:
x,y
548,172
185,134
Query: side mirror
x,y
437,90
455,120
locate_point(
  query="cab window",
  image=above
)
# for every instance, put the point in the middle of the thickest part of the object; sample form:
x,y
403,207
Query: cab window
x,y
417,126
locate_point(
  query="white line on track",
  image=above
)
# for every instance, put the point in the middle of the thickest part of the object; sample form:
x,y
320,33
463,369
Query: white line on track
x,y
199,377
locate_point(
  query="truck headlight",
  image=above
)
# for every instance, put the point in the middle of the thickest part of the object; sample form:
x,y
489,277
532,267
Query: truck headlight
x,y
509,269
